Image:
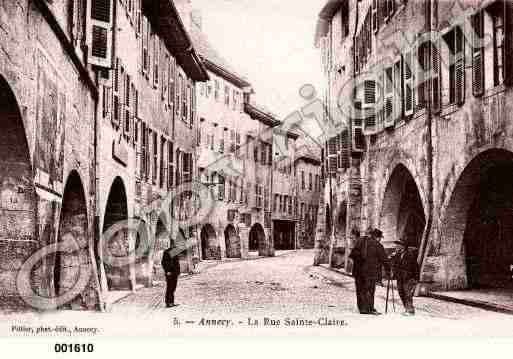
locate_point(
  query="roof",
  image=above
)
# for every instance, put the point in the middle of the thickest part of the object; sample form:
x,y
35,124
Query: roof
x,y
260,113
329,10
214,61
309,158
164,15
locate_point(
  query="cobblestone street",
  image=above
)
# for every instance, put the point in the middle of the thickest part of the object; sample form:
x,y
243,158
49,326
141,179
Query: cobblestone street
x,y
287,286
226,295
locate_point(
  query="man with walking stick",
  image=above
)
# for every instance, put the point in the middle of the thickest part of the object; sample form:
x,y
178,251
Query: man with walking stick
x,y
368,256
406,271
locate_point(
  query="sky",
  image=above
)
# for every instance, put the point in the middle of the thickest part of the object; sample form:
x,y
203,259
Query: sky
x,y
271,42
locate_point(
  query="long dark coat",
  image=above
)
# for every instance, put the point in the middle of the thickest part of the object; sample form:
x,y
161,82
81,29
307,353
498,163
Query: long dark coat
x,y
170,264
368,257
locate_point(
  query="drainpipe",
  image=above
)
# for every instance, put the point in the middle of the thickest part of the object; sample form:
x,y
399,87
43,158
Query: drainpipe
x,y
429,150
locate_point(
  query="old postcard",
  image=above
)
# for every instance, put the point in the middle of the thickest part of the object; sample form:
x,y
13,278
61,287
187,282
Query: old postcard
x,y
193,168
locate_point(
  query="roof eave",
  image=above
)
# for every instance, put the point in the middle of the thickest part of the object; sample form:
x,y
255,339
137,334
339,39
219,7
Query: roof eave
x,y
237,80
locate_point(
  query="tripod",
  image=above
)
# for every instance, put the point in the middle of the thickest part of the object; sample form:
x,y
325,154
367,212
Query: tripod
x,y
390,283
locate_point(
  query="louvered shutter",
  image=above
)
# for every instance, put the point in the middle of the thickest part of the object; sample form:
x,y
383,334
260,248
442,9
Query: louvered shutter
x,y
389,97
345,152
375,19
369,111
332,155
507,51
407,84
99,33
477,54
116,106
459,67
435,78
357,137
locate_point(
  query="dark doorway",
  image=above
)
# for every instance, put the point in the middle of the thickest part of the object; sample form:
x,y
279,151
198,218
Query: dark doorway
x,y
257,239
18,204
210,249
284,235
72,227
489,231
232,241
118,277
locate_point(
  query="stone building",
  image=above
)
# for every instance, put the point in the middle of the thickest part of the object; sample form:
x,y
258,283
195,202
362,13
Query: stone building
x,y
234,139
146,134
48,99
426,155
307,169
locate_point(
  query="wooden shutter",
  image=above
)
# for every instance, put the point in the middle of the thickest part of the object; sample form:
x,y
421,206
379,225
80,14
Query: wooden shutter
x,y
99,33
459,66
477,54
388,98
345,151
369,103
435,77
507,51
116,106
357,136
407,84
375,19
332,158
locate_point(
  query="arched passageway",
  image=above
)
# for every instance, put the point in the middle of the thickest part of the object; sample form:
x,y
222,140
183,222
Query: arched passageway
x,y
73,227
257,239
478,223
232,242
402,212
117,245
18,198
209,243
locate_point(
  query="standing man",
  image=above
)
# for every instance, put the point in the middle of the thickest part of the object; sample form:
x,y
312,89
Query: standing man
x,y
368,257
407,272
171,266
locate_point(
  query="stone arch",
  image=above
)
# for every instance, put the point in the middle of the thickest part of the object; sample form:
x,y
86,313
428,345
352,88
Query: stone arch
x,y
257,239
402,213
232,241
395,160
210,249
118,245
476,225
73,226
18,200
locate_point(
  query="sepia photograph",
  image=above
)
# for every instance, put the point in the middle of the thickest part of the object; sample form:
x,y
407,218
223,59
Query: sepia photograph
x,y
241,168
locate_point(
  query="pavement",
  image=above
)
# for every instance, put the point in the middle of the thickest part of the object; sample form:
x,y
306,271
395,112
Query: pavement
x,y
279,296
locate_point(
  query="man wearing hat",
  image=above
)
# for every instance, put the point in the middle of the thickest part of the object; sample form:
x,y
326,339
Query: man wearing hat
x,y
368,257
407,272
171,265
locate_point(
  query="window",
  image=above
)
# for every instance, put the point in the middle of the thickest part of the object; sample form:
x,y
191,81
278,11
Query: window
x,y
208,89
303,186
263,153
170,167
255,151
317,183
237,144
185,109
220,188
275,205
155,157
143,154
235,99
156,59
478,81
217,89
498,48
310,182
227,96
455,43
162,162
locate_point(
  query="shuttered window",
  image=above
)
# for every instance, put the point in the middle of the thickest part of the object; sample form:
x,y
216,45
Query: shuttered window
x,y
477,54
407,84
170,167
99,42
100,10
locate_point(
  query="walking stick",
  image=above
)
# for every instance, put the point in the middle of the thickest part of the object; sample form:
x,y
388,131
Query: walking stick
x,y
386,301
393,297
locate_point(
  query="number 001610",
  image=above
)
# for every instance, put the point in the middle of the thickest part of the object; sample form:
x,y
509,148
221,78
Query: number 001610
x,y
74,348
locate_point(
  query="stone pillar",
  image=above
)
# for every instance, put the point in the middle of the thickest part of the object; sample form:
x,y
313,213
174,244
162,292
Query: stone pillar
x,y
354,210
